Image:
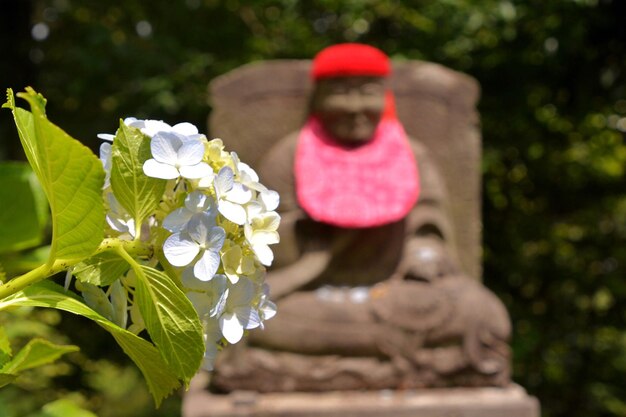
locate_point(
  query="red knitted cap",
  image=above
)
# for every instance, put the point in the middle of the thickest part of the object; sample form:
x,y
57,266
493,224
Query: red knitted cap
x,y
348,59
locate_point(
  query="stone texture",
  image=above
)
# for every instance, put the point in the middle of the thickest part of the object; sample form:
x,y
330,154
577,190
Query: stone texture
x,y
511,401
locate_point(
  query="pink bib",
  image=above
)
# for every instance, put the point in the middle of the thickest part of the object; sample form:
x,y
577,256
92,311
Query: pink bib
x,y
370,185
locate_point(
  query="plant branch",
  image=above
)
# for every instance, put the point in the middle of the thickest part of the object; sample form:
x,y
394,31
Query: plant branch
x,y
50,268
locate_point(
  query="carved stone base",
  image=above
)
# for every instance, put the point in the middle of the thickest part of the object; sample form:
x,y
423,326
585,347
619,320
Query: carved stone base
x,y
450,402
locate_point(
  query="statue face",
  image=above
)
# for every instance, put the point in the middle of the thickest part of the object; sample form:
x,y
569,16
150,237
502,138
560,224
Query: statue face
x,y
350,108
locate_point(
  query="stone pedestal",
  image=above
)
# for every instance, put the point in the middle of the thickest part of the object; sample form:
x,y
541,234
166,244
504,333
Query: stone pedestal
x,y
452,402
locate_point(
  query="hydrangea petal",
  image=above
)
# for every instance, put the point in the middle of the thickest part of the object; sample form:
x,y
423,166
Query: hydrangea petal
x,y
241,294
152,127
197,201
267,309
155,169
177,220
248,317
207,265
190,153
192,172
201,302
245,168
185,128
165,146
207,180
215,239
208,360
265,237
270,199
180,250
224,181
233,212
264,253
231,327
116,223
106,136
239,194
198,228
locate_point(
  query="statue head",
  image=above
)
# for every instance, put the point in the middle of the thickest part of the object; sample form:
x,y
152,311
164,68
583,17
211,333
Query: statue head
x,y
350,91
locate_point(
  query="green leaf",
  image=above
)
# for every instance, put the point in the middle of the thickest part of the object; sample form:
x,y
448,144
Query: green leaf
x,y
160,378
5,348
71,176
6,379
102,269
37,352
19,263
64,408
137,193
171,320
25,215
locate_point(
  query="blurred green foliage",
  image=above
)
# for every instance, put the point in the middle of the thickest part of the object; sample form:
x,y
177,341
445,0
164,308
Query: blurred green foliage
x,y
553,109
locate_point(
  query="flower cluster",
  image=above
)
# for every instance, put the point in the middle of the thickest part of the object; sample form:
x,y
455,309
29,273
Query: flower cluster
x,y
212,232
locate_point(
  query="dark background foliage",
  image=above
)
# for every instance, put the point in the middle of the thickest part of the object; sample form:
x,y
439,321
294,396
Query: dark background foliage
x,y
553,111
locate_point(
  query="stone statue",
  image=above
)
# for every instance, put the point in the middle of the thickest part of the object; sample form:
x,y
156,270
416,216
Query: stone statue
x,y
373,290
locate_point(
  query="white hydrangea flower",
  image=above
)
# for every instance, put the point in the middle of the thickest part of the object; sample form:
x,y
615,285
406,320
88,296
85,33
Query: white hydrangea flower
x,y
175,155
195,203
246,175
239,314
201,237
208,297
107,163
129,121
231,196
262,231
235,262
212,335
118,218
267,309
152,127
236,299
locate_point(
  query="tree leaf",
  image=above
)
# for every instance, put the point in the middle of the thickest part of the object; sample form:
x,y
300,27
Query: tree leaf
x,y
137,193
6,379
19,263
25,215
37,352
71,176
5,348
159,376
64,408
171,320
102,269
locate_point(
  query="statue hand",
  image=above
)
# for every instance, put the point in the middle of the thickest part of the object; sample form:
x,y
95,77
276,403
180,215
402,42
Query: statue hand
x,y
426,259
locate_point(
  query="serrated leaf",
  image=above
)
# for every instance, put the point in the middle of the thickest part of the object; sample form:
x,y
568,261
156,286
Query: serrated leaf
x,y
102,269
160,378
5,348
24,214
171,320
71,176
137,193
37,352
64,408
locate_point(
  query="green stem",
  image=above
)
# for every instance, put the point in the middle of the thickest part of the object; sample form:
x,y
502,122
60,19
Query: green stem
x,y
50,268
133,264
